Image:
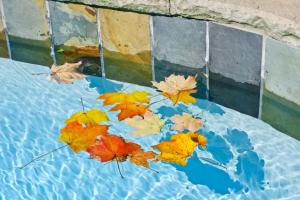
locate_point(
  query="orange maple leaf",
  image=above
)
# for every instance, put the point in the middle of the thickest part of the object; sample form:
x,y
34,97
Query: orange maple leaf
x,y
112,147
129,110
78,137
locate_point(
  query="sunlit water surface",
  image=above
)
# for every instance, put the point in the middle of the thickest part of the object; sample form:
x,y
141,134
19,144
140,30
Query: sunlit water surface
x,y
261,162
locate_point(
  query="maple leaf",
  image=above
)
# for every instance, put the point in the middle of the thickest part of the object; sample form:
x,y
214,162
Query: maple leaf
x,y
111,147
66,73
182,96
79,138
180,147
150,124
128,110
93,116
177,88
121,97
141,157
186,122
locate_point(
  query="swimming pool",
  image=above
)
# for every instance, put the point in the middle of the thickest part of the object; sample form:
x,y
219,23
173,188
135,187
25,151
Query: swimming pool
x,y
261,162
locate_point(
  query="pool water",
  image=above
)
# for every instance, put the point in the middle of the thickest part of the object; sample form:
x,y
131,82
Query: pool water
x,y
261,162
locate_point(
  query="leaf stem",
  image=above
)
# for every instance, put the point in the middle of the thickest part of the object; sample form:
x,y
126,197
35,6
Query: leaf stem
x,y
119,169
156,102
41,156
82,104
43,73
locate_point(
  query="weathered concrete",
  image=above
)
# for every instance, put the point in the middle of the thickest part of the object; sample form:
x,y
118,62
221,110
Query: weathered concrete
x,y
145,6
279,19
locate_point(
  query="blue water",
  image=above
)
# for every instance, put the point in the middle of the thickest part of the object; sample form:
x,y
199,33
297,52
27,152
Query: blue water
x,y
261,163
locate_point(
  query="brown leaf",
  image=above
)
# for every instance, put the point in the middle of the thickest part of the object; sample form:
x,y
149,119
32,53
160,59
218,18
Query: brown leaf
x,y
66,73
141,157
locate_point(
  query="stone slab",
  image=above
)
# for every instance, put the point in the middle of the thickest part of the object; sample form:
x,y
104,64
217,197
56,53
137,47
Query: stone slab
x,y
281,95
75,35
235,62
28,30
127,48
282,71
179,47
3,42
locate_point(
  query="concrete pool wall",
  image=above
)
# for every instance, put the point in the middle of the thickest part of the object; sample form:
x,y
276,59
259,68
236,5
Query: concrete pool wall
x,y
245,54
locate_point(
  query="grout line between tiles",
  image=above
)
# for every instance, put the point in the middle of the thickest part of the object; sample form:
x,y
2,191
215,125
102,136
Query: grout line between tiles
x,y
100,42
262,76
52,53
207,58
5,29
152,47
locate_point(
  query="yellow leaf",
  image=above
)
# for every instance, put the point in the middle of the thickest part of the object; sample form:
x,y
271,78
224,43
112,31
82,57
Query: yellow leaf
x,y
121,97
183,96
178,149
150,124
79,138
93,116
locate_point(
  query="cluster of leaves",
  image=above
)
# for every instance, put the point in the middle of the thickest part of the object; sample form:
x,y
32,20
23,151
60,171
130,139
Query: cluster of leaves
x,y
89,130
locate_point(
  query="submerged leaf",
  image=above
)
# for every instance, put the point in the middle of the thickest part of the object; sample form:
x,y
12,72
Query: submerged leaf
x,y
124,98
180,147
93,116
66,73
79,138
150,124
186,122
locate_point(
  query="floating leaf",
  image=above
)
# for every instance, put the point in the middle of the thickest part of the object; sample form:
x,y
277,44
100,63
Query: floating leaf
x,y
112,147
121,97
129,110
66,73
150,124
186,122
179,148
93,116
79,138
177,88
141,157
183,96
